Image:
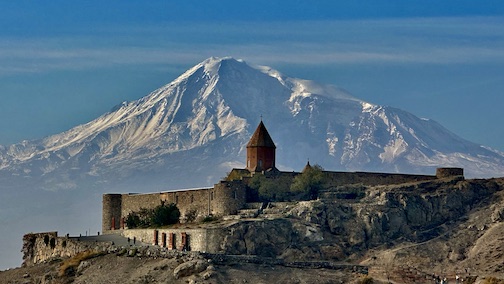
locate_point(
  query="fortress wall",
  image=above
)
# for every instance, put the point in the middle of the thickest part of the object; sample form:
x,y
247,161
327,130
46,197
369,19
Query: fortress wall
x,y
449,172
365,178
223,199
111,210
229,197
135,202
190,202
41,247
203,240
193,201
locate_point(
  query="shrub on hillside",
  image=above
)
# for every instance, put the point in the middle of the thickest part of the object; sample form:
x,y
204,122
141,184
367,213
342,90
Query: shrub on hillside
x,y
309,182
269,189
165,215
493,280
140,219
162,215
191,215
366,280
69,266
209,219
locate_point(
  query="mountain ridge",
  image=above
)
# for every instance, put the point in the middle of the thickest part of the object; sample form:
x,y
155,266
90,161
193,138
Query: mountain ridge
x,y
220,96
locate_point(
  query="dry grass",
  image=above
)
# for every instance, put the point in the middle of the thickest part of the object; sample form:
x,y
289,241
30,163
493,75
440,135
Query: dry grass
x,y
365,280
493,280
69,266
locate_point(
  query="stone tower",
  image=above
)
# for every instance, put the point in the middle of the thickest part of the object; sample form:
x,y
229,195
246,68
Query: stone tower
x,y
261,151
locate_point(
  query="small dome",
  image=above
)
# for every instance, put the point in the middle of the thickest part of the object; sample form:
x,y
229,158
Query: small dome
x,y
307,167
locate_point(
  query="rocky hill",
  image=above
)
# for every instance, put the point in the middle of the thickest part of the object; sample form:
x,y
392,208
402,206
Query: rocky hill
x,y
408,233
112,268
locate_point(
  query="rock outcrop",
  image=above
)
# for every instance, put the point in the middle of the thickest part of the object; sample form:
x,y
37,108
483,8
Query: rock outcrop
x,y
341,229
190,268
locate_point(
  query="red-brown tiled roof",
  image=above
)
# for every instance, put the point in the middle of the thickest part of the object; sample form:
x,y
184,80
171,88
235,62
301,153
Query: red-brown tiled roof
x,y
261,138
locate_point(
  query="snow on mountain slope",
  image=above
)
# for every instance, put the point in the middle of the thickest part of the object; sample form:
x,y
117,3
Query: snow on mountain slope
x,y
221,98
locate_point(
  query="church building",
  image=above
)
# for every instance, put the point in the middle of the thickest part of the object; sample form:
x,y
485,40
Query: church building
x,y
261,151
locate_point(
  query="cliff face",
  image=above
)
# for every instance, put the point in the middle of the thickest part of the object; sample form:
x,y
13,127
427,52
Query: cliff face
x,y
382,217
42,247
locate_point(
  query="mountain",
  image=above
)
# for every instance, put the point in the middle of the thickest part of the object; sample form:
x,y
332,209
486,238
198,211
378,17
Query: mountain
x,y
192,131
199,123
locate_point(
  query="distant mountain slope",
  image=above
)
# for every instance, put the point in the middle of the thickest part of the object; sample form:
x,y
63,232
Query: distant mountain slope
x,y
210,111
192,131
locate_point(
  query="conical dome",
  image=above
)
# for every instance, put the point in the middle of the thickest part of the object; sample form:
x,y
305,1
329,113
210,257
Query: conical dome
x,y
261,138
261,150
307,167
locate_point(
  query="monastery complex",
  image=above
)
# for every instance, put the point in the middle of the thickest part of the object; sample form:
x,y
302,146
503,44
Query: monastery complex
x,y
229,196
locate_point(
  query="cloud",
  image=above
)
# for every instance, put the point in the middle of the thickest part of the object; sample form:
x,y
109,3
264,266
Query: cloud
x,y
399,41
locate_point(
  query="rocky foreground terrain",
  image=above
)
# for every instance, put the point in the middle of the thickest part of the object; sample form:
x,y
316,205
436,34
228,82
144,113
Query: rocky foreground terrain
x,y
111,268
409,233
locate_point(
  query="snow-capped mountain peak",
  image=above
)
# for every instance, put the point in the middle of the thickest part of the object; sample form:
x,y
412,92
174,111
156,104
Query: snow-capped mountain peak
x,y
212,108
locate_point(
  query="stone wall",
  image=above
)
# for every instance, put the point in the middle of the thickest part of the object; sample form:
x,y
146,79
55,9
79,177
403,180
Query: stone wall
x,y
367,178
134,202
41,247
449,172
202,240
111,211
364,178
190,202
225,198
230,196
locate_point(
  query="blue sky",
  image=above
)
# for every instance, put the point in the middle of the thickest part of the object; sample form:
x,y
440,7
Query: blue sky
x,y
63,63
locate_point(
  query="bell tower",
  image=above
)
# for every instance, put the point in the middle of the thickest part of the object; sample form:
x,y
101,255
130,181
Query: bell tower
x,y
261,151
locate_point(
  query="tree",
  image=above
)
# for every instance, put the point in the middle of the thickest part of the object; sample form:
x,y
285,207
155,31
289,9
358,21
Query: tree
x,y
161,215
139,219
165,215
269,189
309,182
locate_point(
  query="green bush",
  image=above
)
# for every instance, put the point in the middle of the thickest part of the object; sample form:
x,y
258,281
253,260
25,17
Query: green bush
x,y
208,219
366,280
309,182
140,219
191,215
269,189
165,215
162,215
